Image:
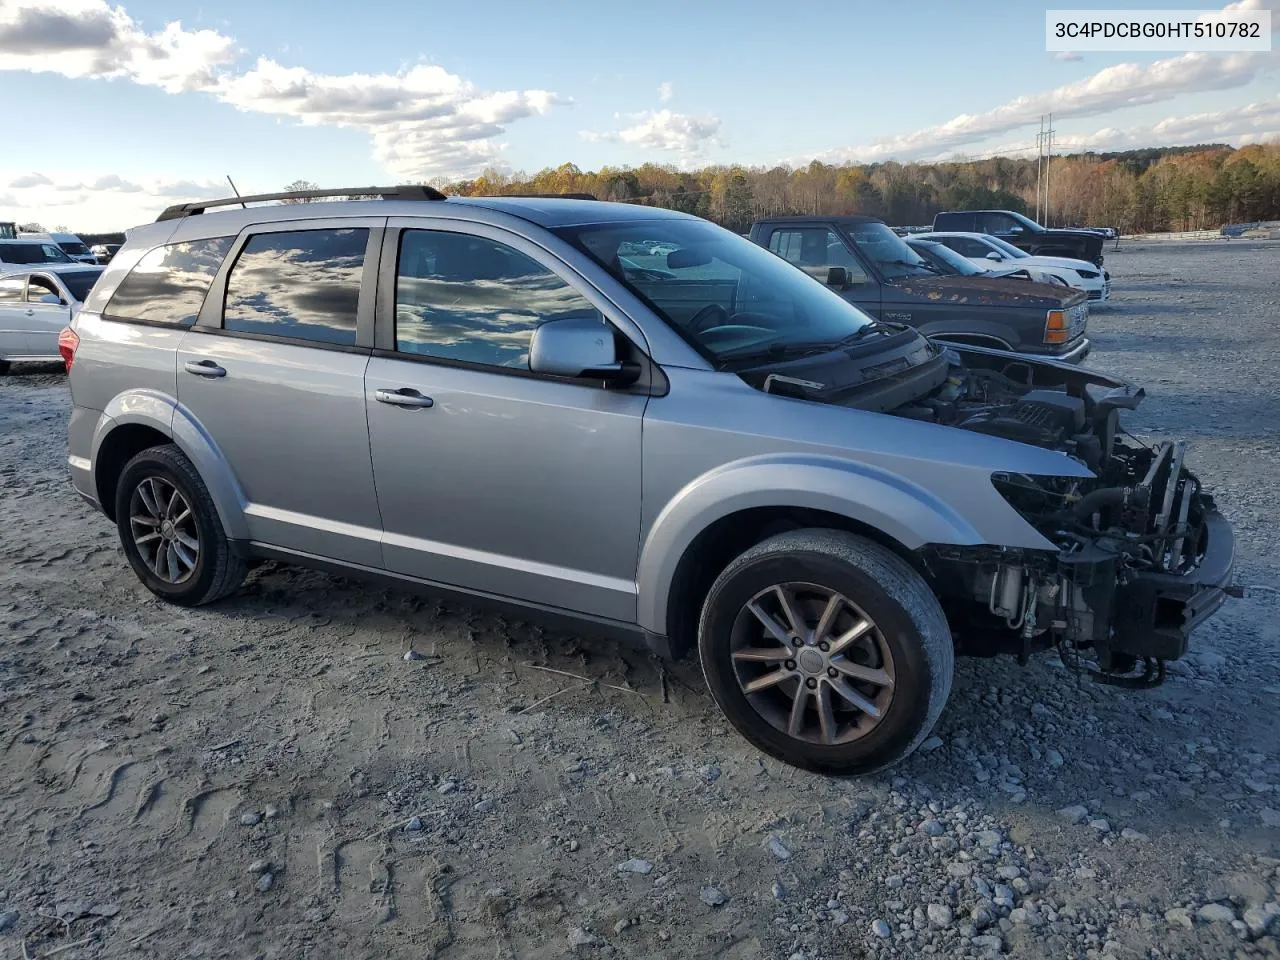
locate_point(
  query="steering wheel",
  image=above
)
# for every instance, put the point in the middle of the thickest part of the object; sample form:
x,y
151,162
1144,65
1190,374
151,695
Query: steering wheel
x,y
712,315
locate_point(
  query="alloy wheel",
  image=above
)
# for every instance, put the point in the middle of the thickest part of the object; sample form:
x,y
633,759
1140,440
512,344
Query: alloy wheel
x,y
812,664
164,529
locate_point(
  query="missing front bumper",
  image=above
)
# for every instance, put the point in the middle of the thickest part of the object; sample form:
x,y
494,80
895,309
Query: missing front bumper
x,y
1155,613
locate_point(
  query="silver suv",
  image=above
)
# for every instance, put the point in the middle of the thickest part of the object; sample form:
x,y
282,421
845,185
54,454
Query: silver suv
x,y
638,420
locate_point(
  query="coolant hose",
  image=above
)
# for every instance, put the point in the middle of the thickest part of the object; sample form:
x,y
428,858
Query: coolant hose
x,y
1090,503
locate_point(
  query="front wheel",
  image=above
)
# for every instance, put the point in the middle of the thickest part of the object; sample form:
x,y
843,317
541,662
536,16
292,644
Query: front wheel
x,y
827,651
170,529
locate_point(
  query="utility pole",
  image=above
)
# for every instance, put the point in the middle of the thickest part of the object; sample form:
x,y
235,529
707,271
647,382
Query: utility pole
x,y
1048,156
1039,157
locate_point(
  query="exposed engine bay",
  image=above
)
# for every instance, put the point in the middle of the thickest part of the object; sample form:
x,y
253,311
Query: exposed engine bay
x,y
1142,554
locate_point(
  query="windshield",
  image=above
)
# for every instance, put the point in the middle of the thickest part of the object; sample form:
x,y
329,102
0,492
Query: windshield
x,y
728,296
946,258
889,252
1007,248
80,283
73,247
1026,222
32,253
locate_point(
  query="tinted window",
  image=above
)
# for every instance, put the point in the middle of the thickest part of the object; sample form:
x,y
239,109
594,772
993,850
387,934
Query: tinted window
x,y
11,289
303,284
32,253
814,250
72,247
168,284
466,298
81,282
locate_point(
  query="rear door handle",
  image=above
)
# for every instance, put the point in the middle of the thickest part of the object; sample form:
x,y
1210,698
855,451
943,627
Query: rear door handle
x,y
404,397
205,368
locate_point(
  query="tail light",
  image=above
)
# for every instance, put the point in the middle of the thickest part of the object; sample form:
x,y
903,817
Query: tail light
x,y
68,340
1056,329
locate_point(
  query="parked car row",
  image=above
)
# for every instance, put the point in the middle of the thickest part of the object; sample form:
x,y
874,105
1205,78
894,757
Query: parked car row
x,y
36,302
636,420
869,265
74,248
986,250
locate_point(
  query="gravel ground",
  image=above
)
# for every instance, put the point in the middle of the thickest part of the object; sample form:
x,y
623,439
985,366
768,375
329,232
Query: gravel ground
x,y
314,768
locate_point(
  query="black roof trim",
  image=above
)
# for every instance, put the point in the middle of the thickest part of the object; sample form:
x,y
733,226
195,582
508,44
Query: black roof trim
x,y
412,191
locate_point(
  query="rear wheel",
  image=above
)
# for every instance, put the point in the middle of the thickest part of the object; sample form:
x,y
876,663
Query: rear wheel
x,y
170,529
827,651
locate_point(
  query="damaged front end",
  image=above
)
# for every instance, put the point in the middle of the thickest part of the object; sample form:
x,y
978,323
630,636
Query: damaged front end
x,y
1143,555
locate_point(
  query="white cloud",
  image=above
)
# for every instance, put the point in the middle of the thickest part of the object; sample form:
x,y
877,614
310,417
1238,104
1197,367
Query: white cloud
x,y
663,130
1272,5
1067,56
112,181
99,201
1112,88
666,90
424,121
29,180
88,38
1238,126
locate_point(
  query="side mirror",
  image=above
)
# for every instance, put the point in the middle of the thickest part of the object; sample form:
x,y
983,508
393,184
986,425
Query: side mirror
x,y
52,298
837,277
994,256
581,347
1014,231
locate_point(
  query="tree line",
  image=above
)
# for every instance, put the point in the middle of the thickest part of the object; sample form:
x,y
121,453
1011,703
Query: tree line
x,y
1137,191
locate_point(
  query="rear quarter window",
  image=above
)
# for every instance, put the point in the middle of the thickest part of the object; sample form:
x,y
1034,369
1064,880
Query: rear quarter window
x,y
168,285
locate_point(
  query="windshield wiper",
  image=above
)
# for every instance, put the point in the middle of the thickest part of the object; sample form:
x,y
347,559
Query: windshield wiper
x,y
796,351
907,263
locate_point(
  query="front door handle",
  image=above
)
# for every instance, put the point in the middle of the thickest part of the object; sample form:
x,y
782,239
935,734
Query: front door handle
x,y
404,397
205,368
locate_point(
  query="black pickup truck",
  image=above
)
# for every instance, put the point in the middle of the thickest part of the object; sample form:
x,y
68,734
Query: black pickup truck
x,y
1024,233
871,266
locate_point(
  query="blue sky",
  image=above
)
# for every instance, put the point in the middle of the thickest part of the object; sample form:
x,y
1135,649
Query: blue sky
x,y
153,102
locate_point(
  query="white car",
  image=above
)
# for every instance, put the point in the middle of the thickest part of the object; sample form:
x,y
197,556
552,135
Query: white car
x,y
951,262
36,302
983,248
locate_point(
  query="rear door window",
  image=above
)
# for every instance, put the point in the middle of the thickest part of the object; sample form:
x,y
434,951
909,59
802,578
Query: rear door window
x,y
169,284
11,289
298,285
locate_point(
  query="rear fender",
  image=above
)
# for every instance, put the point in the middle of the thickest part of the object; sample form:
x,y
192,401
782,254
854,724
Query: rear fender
x,y
154,409
897,508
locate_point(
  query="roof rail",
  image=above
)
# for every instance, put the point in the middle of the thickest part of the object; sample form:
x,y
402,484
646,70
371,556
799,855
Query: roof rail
x,y
411,191
537,196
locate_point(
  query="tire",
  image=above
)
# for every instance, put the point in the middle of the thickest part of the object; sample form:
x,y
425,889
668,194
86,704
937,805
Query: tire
x,y
216,571
908,643
4,367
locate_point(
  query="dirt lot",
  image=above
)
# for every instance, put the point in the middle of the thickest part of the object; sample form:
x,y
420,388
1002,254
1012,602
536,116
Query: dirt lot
x,y
271,777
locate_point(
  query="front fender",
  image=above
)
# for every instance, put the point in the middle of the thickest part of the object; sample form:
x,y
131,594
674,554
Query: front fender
x,y
900,509
160,412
